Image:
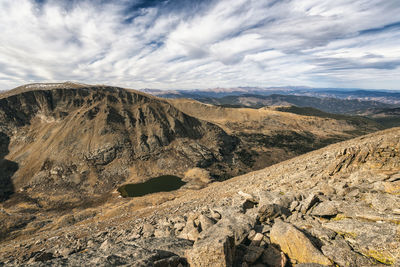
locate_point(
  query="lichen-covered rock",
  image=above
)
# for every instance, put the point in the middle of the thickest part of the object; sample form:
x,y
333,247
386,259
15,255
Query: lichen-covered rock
x,y
380,241
392,187
341,253
296,244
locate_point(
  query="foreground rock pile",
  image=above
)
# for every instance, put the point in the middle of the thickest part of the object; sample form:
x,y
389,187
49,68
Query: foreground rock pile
x,y
336,206
268,229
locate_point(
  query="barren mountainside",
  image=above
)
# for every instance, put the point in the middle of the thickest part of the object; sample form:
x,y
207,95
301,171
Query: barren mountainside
x,y
269,135
87,140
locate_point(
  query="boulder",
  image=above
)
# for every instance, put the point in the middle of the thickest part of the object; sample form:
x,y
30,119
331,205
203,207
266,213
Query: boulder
x,y
218,251
273,257
325,209
377,240
309,202
341,253
216,245
148,230
205,222
271,211
256,239
392,187
252,254
215,215
190,231
296,244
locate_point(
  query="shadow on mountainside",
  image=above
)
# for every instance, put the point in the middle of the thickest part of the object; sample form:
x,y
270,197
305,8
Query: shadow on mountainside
x,y
7,169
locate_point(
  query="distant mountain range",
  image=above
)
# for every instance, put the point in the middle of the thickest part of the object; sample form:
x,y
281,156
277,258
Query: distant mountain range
x,y
384,96
340,101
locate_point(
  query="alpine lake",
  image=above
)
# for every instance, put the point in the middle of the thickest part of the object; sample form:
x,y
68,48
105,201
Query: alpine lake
x,y
164,183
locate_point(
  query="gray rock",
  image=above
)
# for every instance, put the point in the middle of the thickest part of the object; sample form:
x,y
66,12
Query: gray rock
x,y
252,254
272,211
190,231
275,197
163,232
310,201
206,222
148,230
376,240
274,257
256,239
341,253
179,226
251,234
215,215
175,245
325,209
294,205
216,245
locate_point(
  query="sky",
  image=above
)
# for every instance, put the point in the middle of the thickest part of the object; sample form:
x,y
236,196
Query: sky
x,y
194,44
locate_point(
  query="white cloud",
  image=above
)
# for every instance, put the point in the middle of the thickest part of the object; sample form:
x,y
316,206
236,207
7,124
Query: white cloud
x,y
223,43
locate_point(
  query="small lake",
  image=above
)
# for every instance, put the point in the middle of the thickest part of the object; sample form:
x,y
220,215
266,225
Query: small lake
x,y
164,183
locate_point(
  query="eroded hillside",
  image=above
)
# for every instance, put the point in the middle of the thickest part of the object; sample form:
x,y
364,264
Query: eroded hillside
x,y
269,136
72,144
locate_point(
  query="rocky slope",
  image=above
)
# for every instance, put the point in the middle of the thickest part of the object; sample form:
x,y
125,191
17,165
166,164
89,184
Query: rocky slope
x,y
335,206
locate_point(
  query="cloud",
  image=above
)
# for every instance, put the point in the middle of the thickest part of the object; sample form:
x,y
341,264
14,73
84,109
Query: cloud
x,y
201,44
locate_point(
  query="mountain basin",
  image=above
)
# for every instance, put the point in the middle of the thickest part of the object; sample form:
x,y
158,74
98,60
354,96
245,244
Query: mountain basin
x,y
164,183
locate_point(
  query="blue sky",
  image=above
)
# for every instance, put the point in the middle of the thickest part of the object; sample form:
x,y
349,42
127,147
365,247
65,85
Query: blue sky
x,y
201,44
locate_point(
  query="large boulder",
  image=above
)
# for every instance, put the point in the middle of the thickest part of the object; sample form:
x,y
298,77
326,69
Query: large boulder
x,y
340,252
216,245
296,244
377,240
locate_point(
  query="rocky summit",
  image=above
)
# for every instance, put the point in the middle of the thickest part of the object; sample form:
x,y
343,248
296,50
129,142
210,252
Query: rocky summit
x,y
64,151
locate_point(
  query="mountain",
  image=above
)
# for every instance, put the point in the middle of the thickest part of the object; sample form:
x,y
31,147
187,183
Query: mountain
x,y
388,117
337,206
272,134
330,105
67,149
79,142
390,97
86,140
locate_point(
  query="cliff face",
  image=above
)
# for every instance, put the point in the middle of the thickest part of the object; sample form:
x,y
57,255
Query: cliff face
x,y
91,138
